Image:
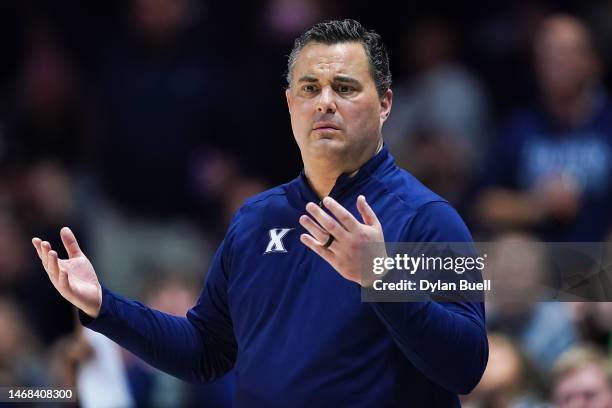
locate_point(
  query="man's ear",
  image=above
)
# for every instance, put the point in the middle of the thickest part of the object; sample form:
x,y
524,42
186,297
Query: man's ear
x,y
288,96
385,105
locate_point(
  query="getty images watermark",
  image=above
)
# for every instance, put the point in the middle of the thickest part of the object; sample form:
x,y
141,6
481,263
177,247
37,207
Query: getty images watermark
x,y
508,270
429,264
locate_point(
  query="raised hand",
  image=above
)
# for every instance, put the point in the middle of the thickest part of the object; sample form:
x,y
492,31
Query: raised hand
x,y
74,278
348,248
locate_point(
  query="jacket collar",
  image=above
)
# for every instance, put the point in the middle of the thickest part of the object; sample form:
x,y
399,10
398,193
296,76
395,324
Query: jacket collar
x,y
345,182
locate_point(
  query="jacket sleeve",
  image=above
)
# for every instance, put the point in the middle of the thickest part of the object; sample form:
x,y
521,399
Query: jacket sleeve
x,y
446,341
198,347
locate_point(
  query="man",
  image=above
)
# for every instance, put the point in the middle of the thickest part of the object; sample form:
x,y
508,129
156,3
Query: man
x,y
582,378
551,172
281,303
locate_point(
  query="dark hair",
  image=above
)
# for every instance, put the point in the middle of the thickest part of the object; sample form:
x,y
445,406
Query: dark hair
x,y
339,31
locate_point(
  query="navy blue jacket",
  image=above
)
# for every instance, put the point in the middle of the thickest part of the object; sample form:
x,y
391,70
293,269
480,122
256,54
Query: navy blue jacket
x,y
294,330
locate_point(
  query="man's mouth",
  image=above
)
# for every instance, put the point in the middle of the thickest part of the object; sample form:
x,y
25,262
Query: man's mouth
x,y
325,127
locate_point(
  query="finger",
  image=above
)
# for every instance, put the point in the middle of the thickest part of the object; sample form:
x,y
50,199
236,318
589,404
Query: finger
x,y
36,242
314,229
46,247
346,218
62,280
317,247
368,215
53,267
326,221
70,243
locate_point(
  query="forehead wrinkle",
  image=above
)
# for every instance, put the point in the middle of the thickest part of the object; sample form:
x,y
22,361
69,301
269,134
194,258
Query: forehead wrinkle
x,y
334,70
328,69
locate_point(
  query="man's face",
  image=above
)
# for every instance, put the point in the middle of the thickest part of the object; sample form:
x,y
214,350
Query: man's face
x,y
335,110
585,388
564,57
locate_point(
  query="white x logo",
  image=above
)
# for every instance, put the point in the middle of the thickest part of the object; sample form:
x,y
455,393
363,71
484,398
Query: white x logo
x,y
276,240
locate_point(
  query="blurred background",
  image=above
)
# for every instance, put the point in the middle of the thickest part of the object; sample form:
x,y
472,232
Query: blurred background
x,y
144,124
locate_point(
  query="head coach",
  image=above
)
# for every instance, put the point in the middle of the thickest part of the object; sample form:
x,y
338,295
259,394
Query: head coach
x,y
281,303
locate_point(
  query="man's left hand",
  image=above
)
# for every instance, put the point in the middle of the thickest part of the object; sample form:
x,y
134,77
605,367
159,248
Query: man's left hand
x,y
342,242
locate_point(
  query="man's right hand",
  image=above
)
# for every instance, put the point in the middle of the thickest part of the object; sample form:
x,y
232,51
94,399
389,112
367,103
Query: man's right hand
x,y
74,278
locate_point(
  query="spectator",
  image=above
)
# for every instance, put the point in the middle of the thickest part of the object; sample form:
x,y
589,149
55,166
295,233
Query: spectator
x,y
594,322
551,172
48,122
437,128
20,361
159,92
583,378
542,330
506,379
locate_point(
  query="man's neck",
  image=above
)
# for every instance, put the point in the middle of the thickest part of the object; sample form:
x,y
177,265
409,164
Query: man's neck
x,y
322,175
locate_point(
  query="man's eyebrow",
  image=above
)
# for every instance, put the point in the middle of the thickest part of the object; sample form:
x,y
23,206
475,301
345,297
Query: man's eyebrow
x,y
337,78
348,79
308,78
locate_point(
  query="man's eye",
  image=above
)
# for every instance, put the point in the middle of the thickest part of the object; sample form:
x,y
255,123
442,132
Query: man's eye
x,y
308,88
345,89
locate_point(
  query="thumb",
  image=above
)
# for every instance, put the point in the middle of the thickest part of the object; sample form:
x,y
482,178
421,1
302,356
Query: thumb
x,y
368,215
70,243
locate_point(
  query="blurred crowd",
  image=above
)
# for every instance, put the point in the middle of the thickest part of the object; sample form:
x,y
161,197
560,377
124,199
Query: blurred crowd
x,y
144,124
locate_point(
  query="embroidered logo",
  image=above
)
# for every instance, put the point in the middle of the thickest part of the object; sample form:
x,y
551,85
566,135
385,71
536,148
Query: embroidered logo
x,y
276,240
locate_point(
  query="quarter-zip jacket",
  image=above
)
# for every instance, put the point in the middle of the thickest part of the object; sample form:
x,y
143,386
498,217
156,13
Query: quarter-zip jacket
x,y
294,330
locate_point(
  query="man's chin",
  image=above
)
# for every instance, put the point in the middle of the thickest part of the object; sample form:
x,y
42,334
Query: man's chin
x,y
328,144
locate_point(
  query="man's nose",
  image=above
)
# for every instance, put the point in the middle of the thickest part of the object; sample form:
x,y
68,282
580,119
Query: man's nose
x,y
326,102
